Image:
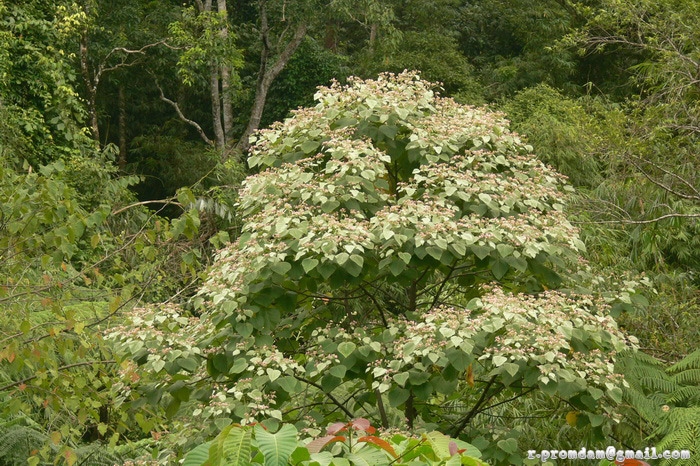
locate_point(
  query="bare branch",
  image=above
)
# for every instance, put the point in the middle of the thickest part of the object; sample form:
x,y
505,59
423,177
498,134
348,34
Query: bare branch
x,y
667,188
641,222
169,201
103,68
182,116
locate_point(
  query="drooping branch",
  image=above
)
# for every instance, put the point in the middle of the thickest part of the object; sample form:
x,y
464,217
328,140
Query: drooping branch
x,y
513,398
93,77
329,395
642,222
438,293
182,116
475,409
376,305
696,194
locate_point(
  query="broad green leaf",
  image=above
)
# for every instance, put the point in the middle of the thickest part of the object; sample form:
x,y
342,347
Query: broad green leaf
x,y
330,383
357,259
499,268
498,360
281,268
458,359
172,408
389,131
278,447
440,443
511,368
418,377
396,267
237,446
309,264
338,371
480,251
434,252
406,257
273,374
508,445
343,122
401,378
505,250
309,146
353,269
398,396
346,348
189,364
198,455
239,365
289,384
368,457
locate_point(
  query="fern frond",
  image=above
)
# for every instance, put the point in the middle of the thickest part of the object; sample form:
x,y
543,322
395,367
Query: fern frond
x,y
684,437
663,385
679,419
18,443
647,408
97,454
687,377
666,401
692,361
637,375
632,357
685,395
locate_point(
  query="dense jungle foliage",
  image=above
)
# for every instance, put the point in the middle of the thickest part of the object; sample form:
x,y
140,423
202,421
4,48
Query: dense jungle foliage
x,y
348,232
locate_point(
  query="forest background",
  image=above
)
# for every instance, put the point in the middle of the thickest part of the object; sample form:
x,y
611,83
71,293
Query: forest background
x,y
124,134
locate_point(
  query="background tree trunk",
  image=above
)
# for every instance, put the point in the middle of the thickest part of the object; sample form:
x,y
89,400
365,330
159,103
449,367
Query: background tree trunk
x,y
216,109
267,74
90,87
122,128
226,102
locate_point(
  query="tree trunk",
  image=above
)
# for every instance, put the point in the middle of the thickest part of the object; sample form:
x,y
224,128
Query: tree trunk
x,y
226,103
410,411
90,87
373,36
216,110
330,41
122,128
267,74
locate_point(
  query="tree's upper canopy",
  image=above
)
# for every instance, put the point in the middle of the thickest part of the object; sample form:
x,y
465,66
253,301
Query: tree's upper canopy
x,y
382,180
391,232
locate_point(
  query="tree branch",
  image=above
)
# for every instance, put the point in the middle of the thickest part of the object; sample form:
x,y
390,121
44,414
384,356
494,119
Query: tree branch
x,y
157,201
442,285
329,395
62,368
474,409
695,197
376,305
508,400
192,123
641,222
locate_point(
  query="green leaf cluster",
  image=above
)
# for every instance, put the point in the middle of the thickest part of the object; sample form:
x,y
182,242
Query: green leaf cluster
x,y
353,443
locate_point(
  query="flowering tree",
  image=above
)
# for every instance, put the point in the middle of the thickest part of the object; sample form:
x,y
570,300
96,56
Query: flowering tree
x,y
396,263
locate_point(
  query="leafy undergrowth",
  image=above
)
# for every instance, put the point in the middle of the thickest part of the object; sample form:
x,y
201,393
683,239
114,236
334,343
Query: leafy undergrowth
x,y
355,442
